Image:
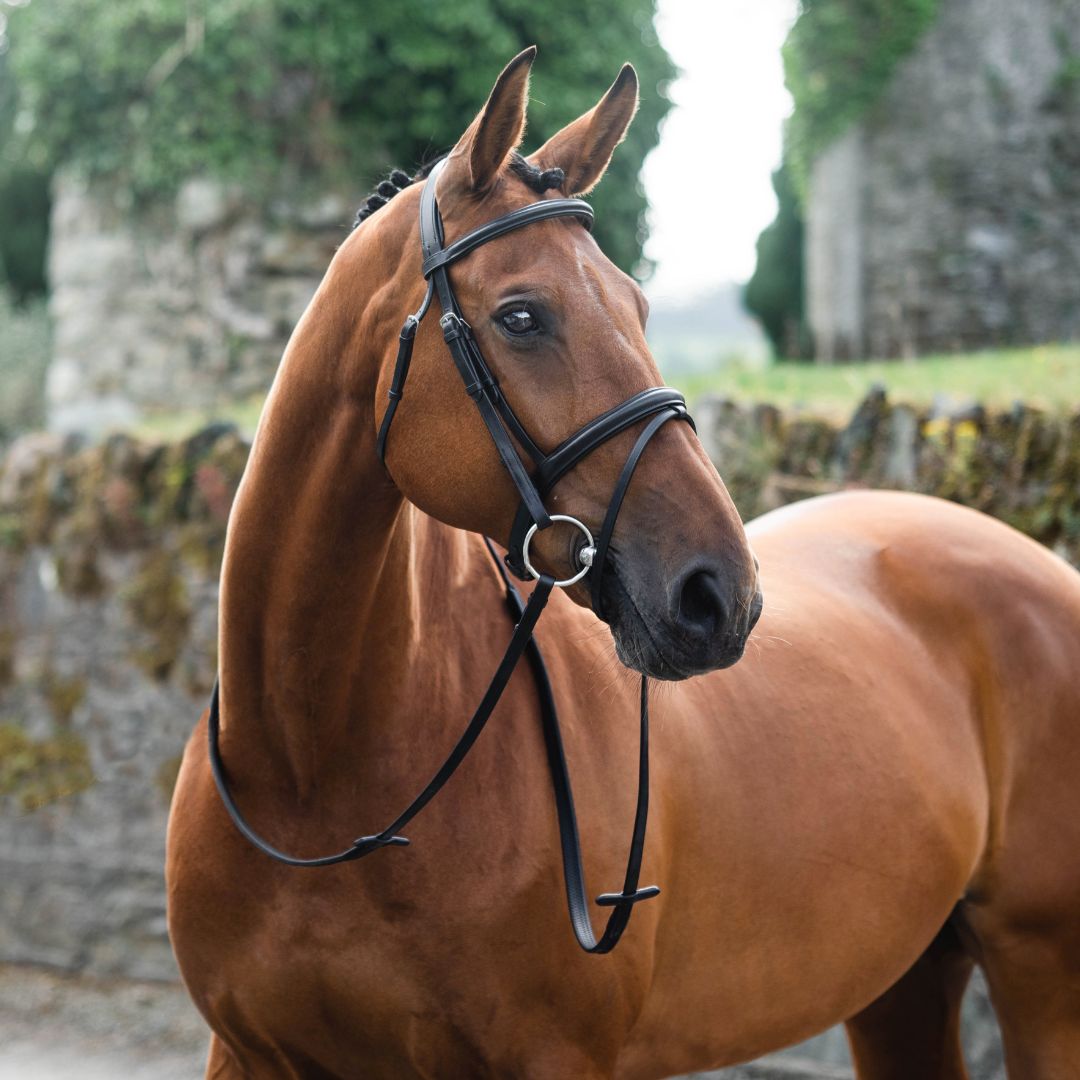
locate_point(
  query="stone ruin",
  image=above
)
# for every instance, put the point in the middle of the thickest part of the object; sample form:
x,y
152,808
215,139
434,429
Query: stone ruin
x,y
948,217
184,304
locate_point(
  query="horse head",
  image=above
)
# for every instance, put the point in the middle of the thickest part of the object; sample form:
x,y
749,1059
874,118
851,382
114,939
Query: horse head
x,y
562,330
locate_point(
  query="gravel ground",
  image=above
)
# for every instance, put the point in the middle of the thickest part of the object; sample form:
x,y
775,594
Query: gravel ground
x,y
67,1027
63,1027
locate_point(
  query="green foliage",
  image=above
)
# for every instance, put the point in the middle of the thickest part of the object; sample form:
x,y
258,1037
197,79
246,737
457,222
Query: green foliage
x,y
1065,88
1047,376
775,293
24,230
261,91
24,355
24,204
838,58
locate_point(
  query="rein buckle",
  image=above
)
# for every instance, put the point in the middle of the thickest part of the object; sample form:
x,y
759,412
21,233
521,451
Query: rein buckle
x,y
614,899
369,843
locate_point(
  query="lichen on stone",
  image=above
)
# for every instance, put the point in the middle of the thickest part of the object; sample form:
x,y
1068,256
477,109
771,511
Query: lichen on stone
x,y
37,772
64,694
166,776
75,547
157,600
8,640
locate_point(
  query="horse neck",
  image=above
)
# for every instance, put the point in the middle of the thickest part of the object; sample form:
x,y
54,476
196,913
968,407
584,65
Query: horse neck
x,y
319,600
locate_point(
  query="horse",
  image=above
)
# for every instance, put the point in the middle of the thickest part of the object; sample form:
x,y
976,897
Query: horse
x,y
854,800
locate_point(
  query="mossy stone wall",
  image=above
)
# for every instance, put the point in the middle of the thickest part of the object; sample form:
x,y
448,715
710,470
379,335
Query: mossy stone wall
x,y
109,561
1020,465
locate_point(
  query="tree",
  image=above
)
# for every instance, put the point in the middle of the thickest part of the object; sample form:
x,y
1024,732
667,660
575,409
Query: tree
x,y
775,293
24,205
268,93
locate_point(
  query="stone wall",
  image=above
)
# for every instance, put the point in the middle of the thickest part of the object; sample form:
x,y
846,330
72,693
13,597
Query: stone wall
x,y
948,217
109,559
186,303
1021,466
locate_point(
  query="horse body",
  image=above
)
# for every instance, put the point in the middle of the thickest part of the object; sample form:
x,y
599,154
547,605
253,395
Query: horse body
x,y
915,673
878,792
820,810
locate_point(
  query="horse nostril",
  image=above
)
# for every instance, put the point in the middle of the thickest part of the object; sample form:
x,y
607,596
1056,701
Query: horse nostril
x,y
702,610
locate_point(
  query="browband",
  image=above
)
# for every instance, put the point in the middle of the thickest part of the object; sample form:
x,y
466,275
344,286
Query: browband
x,y
524,215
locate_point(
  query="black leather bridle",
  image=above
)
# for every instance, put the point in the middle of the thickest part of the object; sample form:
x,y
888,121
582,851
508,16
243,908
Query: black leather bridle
x,y
656,405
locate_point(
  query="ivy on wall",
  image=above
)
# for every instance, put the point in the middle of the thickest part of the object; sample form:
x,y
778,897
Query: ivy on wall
x,y
838,59
267,92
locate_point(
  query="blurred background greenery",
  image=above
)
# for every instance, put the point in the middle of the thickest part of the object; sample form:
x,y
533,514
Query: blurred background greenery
x,y
283,101
175,176
273,94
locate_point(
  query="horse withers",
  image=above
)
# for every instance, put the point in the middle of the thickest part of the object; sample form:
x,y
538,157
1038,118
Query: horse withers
x,y
878,794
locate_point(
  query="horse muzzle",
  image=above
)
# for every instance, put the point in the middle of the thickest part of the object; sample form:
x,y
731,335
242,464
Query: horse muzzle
x,y
699,623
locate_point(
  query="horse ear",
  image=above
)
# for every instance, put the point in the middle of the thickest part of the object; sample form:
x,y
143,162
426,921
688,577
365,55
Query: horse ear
x,y
583,149
500,124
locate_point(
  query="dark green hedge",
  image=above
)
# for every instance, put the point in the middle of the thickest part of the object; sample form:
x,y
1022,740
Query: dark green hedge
x,y
775,293
260,91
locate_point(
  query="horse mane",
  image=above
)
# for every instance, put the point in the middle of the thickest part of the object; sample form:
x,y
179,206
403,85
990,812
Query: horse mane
x,y
540,180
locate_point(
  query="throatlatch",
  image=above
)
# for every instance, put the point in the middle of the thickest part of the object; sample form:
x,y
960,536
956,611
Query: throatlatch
x,y
656,405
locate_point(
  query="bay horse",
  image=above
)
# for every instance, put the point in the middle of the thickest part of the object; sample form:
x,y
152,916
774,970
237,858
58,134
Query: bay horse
x,y
880,793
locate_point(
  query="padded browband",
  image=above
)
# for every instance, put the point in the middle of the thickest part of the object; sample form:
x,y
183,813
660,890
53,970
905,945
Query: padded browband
x,y
431,228
524,215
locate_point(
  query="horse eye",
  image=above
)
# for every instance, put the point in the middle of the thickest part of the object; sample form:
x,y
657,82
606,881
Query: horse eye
x,y
519,322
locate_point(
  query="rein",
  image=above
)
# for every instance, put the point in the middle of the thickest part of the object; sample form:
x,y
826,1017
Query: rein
x,y
657,405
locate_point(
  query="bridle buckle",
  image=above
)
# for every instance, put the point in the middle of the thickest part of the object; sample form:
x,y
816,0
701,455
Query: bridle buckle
x,y
453,326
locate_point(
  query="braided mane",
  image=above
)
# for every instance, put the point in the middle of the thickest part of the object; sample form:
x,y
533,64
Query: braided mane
x,y
387,189
540,180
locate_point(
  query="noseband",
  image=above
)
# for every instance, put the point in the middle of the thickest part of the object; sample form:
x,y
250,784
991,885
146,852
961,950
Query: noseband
x,y
656,405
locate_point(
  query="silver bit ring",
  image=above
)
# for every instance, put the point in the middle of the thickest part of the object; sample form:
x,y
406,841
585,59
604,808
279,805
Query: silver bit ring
x,y
584,557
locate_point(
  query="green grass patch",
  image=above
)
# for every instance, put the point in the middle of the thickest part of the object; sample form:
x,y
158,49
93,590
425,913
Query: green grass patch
x,y
174,425
1047,376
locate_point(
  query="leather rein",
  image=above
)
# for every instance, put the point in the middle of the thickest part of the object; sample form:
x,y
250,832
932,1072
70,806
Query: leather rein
x,y
657,405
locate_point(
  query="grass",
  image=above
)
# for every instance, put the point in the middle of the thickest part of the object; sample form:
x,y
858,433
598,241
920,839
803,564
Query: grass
x,y
1047,376
175,424
24,356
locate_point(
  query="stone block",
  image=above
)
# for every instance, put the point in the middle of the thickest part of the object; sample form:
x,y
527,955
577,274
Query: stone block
x,y
165,307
